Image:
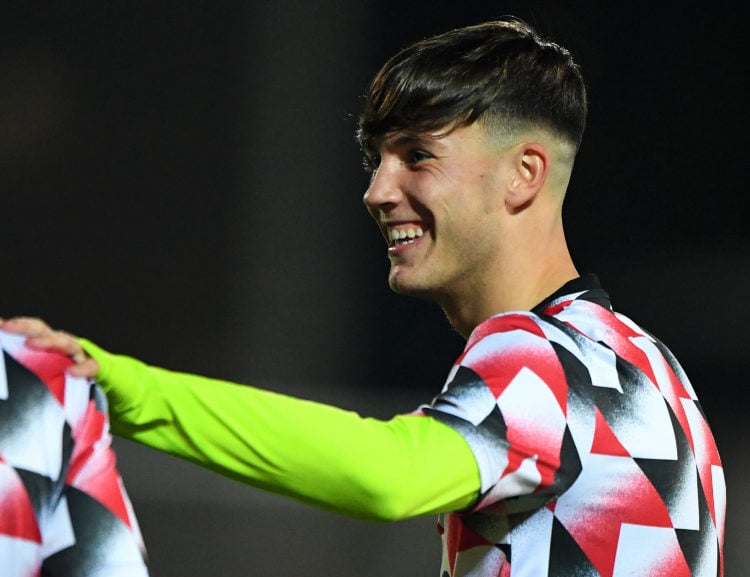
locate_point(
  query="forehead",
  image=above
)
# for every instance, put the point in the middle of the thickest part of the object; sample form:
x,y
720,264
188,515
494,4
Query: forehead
x,y
438,138
403,138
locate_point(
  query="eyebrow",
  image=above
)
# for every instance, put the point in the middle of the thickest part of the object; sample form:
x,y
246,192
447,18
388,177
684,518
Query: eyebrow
x,y
402,138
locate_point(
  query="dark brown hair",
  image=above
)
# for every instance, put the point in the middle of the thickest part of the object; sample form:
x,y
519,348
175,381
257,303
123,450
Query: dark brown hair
x,y
500,72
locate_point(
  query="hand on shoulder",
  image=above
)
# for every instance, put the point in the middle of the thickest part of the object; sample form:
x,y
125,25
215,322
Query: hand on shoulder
x,y
39,335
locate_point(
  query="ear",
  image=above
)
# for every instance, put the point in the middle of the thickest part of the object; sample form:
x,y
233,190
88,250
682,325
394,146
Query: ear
x,y
530,169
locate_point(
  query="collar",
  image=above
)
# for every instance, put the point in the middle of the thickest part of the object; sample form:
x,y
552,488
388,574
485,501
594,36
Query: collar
x,y
585,287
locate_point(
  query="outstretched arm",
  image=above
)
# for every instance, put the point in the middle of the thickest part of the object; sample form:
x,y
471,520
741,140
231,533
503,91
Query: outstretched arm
x,y
332,458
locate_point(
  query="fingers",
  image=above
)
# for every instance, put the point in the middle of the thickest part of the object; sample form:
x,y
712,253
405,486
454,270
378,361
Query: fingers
x,y
58,341
41,336
28,326
88,368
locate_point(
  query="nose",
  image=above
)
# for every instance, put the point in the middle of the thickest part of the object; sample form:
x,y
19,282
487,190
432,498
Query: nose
x,y
384,191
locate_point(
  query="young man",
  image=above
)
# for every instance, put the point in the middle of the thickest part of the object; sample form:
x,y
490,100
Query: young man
x,y
567,440
63,509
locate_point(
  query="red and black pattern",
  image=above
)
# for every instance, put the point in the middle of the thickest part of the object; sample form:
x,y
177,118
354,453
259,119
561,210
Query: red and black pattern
x,y
595,457
63,509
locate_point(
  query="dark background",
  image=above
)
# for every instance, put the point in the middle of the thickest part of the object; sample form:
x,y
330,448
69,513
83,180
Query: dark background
x,y
179,181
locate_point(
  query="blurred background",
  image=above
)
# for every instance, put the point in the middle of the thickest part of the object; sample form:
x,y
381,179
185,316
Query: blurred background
x,y
179,181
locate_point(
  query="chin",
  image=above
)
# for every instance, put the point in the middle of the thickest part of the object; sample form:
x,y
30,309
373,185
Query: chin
x,y
398,285
404,287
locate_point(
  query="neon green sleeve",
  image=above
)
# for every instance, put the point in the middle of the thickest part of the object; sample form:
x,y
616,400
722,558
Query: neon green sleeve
x,y
332,458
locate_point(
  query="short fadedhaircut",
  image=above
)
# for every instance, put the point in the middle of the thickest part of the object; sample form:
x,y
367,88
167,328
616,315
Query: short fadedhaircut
x,y
501,73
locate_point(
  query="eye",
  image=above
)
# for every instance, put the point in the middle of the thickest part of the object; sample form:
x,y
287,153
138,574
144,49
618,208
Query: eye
x,y
417,155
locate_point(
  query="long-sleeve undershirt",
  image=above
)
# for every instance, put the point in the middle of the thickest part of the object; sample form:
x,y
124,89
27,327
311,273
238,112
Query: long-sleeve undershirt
x,y
335,459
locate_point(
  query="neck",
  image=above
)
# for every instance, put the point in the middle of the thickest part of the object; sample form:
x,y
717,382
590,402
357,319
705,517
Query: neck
x,y
530,273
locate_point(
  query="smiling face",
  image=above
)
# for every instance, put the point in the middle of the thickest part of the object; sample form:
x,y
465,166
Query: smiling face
x,y
473,215
439,202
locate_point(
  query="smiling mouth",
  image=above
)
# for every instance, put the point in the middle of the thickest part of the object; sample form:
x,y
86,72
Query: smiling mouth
x,y
404,235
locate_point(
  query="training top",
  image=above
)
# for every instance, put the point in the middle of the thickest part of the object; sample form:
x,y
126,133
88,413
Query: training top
x,y
567,442
594,454
63,509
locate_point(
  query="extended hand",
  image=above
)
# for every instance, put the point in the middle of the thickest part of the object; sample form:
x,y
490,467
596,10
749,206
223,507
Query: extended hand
x,y
42,336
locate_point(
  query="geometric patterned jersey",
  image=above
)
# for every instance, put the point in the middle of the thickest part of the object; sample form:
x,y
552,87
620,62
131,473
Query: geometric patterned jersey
x,y
63,509
594,454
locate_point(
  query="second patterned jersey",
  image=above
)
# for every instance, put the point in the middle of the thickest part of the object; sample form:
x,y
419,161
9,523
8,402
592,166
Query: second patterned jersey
x,y
63,509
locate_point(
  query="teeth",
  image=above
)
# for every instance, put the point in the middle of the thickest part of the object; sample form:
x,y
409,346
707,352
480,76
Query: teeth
x,y
406,233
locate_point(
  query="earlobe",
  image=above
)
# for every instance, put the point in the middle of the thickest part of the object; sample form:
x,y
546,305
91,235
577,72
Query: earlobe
x,y
531,165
